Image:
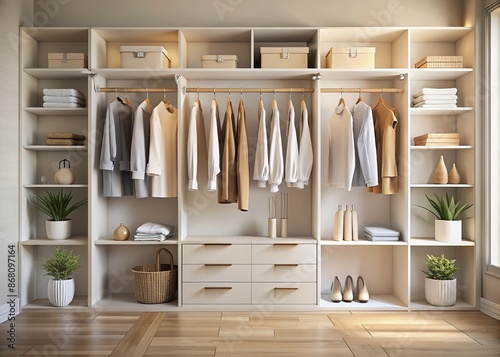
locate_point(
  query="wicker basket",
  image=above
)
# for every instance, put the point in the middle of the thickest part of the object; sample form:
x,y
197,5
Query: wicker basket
x,y
155,283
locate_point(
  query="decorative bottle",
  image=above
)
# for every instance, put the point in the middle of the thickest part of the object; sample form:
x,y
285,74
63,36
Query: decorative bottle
x,y
347,224
121,232
354,223
441,173
338,224
453,175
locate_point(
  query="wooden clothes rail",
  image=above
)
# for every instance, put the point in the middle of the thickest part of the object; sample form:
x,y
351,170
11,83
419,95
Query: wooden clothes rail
x,y
205,90
362,90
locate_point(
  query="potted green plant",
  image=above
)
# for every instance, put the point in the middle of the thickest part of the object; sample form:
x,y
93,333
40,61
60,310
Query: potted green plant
x,y
57,207
448,226
440,281
61,266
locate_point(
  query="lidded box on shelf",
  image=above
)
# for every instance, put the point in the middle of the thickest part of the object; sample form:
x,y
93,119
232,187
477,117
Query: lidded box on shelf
x,y
145,57
219,61
350,57
284,57
440,62
67,60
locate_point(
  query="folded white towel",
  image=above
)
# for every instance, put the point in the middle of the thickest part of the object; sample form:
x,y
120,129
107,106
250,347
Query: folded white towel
x,y
64,92
381,232
152,228
423,91
435,101
435,106
62,105
436,96
62,99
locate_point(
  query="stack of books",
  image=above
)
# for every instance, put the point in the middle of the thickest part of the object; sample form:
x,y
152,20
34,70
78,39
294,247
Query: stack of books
x,y
440,62
381,234
437,139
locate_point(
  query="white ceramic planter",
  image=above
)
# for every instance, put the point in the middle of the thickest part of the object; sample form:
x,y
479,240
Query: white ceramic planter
x,y
61,292
448,231
58,229
441,292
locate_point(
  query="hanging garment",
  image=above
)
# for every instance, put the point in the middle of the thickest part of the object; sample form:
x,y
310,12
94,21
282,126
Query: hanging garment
x,y
261,162
214,150
242,160
385,123
139,151
115,150
276,165
196,146
340,150
292,149
305,149
365,170
162,164
228,186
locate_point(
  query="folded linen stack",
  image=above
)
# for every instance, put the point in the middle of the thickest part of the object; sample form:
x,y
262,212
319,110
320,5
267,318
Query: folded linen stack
x,y
381,234
435,98
153,231
63,98
64,139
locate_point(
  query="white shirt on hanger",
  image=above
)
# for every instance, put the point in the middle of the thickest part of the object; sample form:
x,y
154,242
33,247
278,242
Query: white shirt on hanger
x,y
305,149
276,168
292,149
261,163
213,147
365,170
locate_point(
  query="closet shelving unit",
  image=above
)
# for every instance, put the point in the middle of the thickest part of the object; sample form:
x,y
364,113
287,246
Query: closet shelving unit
x,y
225,259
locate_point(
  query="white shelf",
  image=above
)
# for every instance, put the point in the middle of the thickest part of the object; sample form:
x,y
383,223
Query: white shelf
x,y
376,302
128,302
432,185
361,242
54,242
247,74
55,186
458,147
136,73
248,240
438,74
431,242
57,111
110,241
78,303
438,34
424,305
56,148
57,73
445,111
361,74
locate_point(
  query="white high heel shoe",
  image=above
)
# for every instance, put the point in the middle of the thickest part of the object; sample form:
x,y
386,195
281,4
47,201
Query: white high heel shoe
x,y
336,290
363,295
348,293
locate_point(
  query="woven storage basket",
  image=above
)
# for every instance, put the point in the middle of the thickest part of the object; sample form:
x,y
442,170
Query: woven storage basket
x,y
156,283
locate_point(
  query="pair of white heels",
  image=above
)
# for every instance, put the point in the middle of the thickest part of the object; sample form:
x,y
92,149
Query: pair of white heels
x,y
347,294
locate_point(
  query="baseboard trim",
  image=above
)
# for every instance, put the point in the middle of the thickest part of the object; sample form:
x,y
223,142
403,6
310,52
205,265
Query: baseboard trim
x,y
5,310
490,308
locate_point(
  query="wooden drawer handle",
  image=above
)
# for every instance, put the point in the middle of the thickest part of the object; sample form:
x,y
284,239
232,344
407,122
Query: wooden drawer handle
x,y
289,289
286,265
285,243
218,288
221,244
218,265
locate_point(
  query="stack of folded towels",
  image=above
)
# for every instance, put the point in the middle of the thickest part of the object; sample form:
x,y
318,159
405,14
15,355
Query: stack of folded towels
x,y
63,98
64,139
435,98
381,234
153,231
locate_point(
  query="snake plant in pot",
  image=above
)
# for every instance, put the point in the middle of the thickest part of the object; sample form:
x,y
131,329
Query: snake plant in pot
x,y
440,281
57,207
61,266
448,226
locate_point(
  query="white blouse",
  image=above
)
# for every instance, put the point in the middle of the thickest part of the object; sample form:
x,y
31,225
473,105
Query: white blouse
x,y
276,169
213,147
306,157
292,149
261,163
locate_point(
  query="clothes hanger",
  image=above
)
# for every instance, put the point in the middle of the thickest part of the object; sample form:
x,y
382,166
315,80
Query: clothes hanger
x,y
359,98
275,103
341,100
147,100
117,97
168,105
125,99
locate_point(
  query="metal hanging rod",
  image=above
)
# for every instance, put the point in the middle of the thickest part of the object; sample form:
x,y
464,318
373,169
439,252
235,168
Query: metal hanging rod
x,y
136,90
362,90
249,90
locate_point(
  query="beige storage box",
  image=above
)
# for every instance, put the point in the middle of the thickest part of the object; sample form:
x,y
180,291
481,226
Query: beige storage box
x,y
219,61
67,60
351,57
144,57
440,62
283,57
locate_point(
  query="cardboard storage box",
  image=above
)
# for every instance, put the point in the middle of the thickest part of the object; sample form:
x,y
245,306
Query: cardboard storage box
x,y
351,57
219,61
440,62
283,57
67,60
144,57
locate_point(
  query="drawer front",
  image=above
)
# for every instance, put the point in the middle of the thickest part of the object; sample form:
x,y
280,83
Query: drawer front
x,y
284,293
216,293
279,253
284,273
216,272
216,253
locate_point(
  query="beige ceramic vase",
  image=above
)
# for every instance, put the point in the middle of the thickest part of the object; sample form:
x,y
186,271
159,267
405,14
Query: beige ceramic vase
x,y
441,173
453,175
121,232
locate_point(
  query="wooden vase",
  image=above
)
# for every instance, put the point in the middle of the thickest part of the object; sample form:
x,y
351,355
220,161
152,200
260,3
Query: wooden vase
x,y
441,173
121,232
453,175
